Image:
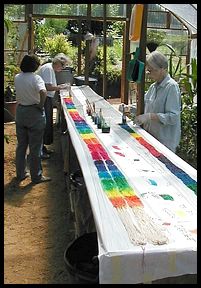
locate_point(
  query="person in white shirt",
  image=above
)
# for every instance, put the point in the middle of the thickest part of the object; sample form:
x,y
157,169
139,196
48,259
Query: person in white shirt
x,y
47,72
30,119
162,102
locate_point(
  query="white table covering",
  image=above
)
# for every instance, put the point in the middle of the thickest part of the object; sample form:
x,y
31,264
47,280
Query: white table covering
x,y
120,261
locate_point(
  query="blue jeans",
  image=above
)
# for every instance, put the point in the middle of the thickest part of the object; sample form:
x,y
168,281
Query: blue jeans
x,y
30,125
48,133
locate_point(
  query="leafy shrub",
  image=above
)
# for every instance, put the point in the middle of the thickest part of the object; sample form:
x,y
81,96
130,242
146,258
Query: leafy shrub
x,y
60,44
113,72
41,32
188,144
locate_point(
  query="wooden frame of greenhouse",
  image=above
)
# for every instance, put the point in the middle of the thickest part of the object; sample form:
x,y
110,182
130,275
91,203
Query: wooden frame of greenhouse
x,y
154,16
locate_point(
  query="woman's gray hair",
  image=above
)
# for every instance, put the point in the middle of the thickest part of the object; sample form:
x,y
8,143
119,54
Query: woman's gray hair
x,y
157,60
62,58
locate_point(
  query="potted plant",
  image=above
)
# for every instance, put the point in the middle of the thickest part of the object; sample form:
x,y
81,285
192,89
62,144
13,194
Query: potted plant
x,y
113,74
10,102
154,39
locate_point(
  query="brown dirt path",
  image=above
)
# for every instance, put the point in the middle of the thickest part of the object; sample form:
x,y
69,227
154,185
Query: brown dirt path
x,y
37,226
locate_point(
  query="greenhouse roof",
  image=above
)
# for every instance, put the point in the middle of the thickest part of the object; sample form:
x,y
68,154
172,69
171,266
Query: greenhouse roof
x,y
187,13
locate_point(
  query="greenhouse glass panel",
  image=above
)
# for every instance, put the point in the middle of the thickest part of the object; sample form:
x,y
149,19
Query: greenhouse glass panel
x,y
116,10
60,9
154,7
176,24
14,12
186,12
97,10
40,8
178,39
156,19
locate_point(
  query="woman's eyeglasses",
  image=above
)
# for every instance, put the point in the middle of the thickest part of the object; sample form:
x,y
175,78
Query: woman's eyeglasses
x,y
63,65
150,70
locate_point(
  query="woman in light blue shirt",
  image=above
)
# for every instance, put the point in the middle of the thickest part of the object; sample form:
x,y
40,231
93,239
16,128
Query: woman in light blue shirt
x,y
162,102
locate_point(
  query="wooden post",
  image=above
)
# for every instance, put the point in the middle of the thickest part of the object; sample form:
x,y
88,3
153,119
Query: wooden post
x,y
79,46
142,57
29,19
104,51
123,69
87,46
125,56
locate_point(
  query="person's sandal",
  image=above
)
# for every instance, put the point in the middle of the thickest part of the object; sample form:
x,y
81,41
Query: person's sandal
x,y
49,151
45,156
23,178
42,179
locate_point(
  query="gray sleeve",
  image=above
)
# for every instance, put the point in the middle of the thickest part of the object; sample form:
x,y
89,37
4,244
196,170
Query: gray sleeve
x,y
172,106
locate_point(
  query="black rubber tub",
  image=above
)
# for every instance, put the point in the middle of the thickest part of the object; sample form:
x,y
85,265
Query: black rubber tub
x,y
81,259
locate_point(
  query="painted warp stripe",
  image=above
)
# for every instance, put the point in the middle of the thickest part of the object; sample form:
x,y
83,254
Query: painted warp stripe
x,y
112,180
140,227
178,172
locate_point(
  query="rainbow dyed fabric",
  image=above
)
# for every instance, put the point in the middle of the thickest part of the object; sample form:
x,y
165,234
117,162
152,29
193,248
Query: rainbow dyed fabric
x,y
178,172
113,182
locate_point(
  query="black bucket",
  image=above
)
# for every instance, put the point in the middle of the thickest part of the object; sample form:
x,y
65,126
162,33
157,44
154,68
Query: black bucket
x,y
92,82
81,260
77,179
81,205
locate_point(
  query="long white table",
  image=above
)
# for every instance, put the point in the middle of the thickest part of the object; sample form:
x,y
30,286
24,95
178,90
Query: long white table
x,y
143,196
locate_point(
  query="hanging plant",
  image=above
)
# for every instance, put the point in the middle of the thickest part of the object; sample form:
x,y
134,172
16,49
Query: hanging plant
x,y
154,39
152,46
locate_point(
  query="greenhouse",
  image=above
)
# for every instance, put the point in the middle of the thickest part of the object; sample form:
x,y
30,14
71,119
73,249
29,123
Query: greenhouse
x,y
169,18
121,102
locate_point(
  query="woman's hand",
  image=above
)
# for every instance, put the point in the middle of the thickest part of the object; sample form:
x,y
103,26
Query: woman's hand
x,y
143,118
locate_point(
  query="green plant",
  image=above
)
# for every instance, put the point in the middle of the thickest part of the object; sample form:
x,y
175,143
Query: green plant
x,y
8,24
188,144
174,61
9,94
155,36
113,72
60,44
175,65
41,32
10,71
9,74
154,39
58,25
56,44
116,28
